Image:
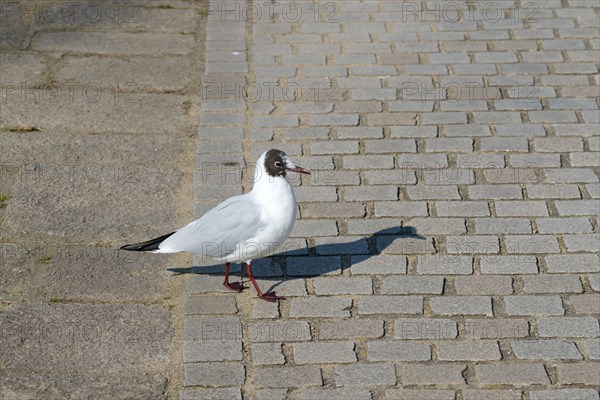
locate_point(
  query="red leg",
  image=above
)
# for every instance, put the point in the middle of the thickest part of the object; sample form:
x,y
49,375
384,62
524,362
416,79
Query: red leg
x,y
235,286
269,296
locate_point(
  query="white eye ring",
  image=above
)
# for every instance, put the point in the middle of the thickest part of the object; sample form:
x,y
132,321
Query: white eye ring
x,y
278,164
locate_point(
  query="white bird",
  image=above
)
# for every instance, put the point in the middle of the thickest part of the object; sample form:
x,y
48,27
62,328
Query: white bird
x,y
242,228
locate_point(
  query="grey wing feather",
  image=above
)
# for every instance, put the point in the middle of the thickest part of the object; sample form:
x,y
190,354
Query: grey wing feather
x,y
218,231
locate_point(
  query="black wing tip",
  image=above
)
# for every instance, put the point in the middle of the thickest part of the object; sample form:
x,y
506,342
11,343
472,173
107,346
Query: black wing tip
x,y
150,245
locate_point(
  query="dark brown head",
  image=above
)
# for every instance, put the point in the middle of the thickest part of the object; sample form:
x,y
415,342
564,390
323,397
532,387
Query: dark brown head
x,y
277,163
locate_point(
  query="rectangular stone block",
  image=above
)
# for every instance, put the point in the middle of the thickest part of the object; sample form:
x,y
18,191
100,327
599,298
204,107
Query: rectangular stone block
x,y
365,374
471,350
398,351
461,305
425,328
287,376
508,373
326,352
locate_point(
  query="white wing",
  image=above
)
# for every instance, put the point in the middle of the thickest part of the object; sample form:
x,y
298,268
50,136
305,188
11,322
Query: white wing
x,y
220,232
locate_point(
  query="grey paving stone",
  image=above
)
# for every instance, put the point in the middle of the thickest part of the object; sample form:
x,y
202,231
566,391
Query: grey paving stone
x,y
556,191
418,394
390,305
438,226
534,160
333,119
572,263
444,265
359,132
263,309
581,243
531,244
480,350
214,374
343,285
205,284
499,192
368,162
449,176
434,374
333,210
326,352
482,285
422,161
350,328
267,354
312,266
209,305
365,374
384,177
425,328
342,245
521,208
502,225
391,118
494,394
211,394
564,394
504,144
533,305
578,207
307,227
334,147
570,175
321,307
564,225
315,193
461,305
366,193
400,209
462,208
413,131
545,349
511,373
525,174
212,350
433,193
568,327
440,118
390,146
552,284
287,376
477,160
336,394
593,348
398,351
496,328
520,130
212,328
585,303
508,265
278,331
380,264
583,373
412,285
472,245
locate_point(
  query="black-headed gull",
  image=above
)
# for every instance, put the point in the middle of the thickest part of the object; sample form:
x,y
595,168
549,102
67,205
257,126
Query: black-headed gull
x,y
242,228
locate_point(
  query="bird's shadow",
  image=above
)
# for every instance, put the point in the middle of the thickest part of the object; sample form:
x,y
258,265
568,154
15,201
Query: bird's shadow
x,y
295,262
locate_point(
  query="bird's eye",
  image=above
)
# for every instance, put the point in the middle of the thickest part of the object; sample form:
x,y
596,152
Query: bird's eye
x,y
278,164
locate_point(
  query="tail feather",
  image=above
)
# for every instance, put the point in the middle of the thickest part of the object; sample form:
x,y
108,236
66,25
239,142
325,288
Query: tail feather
x,y
150,245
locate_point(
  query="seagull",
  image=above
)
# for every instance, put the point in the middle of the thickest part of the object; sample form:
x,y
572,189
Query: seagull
x,y
242,228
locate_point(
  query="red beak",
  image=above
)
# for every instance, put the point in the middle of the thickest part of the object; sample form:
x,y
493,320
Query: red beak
x,y
298,169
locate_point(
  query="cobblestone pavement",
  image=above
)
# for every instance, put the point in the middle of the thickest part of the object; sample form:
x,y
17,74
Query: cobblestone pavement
x,y
447,246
